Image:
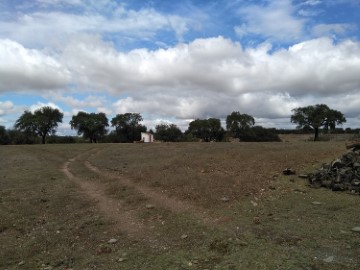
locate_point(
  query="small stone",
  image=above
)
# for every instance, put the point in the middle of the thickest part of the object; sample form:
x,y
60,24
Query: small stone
x,y
289,171
243,243
305,176
316,203
150,206
272,187
103,250
184,236
225,199
21,263
256,220
329,259
254,203
113,241
121,259
299,190
356,229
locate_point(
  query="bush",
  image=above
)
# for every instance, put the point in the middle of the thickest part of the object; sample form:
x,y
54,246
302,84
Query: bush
x,y
259,134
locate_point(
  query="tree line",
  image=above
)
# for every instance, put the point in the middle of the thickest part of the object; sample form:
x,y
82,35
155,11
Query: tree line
x,y
127,127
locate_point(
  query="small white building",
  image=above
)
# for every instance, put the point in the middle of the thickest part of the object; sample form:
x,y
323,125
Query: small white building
x,y
147,137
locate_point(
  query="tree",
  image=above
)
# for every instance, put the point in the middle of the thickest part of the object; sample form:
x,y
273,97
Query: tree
x,y
237,123
91,125
168,133
317,116
206,129
42,122
4,136
128,126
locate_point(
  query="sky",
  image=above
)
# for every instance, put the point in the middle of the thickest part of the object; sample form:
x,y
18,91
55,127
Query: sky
x,y
176,61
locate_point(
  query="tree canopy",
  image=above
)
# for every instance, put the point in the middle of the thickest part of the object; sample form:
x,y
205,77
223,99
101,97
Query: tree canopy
x,y
237,123
42,122
91,125
206,129
317,116
128,126
167,133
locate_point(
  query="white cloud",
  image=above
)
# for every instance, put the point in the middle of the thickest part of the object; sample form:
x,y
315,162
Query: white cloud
x,y
5,107
275,21
55,28
332,29
212,77
39,105
24,69
312,2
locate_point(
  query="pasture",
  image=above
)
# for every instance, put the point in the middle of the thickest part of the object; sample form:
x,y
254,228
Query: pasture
x,y
173,206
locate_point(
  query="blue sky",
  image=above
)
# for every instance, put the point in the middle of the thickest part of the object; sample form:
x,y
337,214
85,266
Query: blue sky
x,y
174,61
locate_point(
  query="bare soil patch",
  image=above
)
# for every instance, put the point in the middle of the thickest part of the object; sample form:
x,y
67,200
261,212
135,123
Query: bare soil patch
x,y
173,206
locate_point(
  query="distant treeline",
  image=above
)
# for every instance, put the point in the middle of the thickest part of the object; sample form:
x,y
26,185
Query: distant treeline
x,y
258,134
40,127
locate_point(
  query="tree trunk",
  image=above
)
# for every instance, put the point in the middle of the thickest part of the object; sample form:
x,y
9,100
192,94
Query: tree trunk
x,y
316,137
43,139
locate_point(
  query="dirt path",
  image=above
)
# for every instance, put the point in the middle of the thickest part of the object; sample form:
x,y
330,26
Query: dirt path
x,y
113,209
157,198
161,200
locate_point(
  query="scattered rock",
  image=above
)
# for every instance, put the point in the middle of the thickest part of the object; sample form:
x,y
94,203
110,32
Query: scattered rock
x,y
103,250
316,203
121,259
356,229
243,243
254,203
150,206
225,199
305,176
184,236
289,171
272,187
21,263
113,241
300,190
329,259
342,174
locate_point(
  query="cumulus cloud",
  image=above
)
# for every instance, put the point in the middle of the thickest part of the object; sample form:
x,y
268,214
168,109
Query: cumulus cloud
x,y
39,105
25,69
275,21
55,27
208,77
204,78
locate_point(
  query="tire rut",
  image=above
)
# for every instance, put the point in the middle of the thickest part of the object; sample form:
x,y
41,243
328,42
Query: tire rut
x,y
113,209
161,200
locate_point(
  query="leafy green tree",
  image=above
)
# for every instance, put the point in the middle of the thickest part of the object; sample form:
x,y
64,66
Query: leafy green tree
x,y
317,116
128,126
168,133
238,123
206,129
4,136
91,125
42,122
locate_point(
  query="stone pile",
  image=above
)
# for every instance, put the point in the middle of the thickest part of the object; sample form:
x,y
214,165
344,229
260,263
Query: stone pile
x,y
342,174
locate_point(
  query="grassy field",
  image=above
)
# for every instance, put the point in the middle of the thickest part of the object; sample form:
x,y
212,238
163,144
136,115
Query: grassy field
x,y
173,206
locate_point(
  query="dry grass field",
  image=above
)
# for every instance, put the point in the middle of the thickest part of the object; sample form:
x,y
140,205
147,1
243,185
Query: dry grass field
x,y
173,206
